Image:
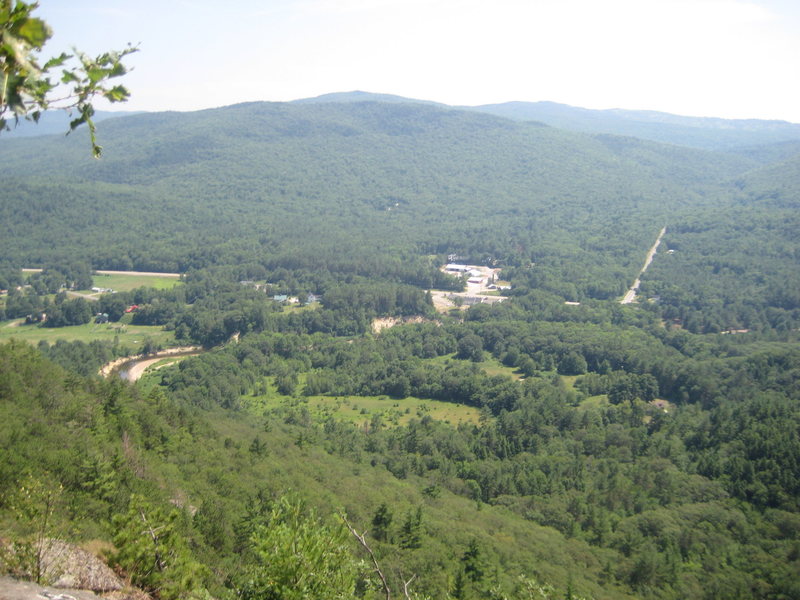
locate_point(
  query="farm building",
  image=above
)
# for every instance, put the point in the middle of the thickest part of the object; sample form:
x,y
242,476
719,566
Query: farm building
x,y
454,268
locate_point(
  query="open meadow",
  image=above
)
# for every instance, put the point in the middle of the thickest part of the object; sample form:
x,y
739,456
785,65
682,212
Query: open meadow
x,y
120,282
124,334
367,410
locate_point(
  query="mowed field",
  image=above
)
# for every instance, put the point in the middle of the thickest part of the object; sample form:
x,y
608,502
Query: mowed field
x,y
126,334
361,410
128,282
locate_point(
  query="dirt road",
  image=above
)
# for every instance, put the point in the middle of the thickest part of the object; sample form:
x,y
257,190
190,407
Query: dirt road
x,y
630,295
92,297
137,370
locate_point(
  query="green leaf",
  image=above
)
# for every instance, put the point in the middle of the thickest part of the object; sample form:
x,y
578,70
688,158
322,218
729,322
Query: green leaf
x,y
57,61
75,123
96,74
117,70
69,76
117,94
35,31
20,51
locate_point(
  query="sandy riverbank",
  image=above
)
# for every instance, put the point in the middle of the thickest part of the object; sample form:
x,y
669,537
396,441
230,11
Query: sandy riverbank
x,y
109,368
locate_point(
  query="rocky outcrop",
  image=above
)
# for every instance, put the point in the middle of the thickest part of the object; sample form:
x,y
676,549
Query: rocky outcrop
x,y
13,589
73,574
74,568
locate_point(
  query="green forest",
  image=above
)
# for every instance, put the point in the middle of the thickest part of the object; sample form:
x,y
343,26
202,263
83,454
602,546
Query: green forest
x,y
556,445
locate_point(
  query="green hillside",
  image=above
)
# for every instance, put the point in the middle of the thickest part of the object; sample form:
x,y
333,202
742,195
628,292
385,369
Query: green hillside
x,y
333,185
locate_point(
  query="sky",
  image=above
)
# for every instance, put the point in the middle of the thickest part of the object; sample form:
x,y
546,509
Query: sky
x,y
721,58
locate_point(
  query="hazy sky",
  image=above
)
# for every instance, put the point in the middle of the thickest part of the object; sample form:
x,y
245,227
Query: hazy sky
x,y
725,58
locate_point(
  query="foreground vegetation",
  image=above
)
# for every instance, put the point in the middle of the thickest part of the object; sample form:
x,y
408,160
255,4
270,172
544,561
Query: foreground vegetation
x,y
649,500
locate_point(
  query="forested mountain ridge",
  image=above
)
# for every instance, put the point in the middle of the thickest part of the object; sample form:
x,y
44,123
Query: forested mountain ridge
x,y
361,96
696,132
731,135
781,178
56,122
708,133
405,178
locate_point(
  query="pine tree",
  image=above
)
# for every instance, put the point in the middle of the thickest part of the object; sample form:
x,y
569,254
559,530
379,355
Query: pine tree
x,y
411,531
381,523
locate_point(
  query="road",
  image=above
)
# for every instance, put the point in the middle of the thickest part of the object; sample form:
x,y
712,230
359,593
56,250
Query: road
x,y
93,297
630,295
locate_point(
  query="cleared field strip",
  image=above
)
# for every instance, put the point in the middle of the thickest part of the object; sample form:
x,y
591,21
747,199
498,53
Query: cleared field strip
x,y
125,282
129,335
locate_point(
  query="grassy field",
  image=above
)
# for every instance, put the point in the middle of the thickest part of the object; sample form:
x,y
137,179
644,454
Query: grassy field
x,y
126,334
126,283
569,381
490,365
290,308
360,410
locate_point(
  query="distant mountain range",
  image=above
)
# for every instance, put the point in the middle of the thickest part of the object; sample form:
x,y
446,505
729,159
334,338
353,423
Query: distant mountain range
x,y
56,121
696,132
708,133
742,136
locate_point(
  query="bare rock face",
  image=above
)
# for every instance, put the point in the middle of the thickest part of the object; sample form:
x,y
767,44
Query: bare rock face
x,y
11,589
74,568
75,574
128,594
